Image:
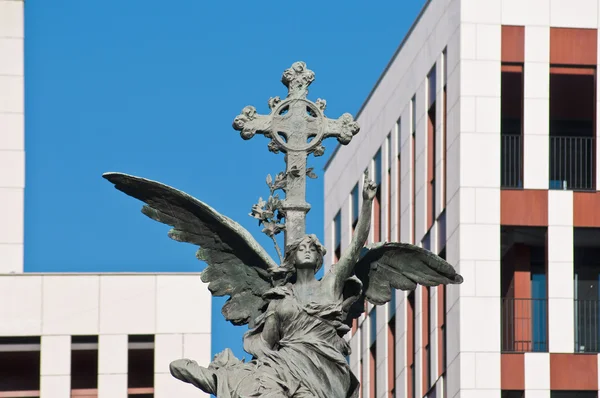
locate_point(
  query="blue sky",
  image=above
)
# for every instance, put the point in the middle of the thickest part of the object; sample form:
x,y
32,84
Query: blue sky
x,y
150,88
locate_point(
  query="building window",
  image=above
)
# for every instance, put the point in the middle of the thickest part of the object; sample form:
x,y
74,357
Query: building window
x,y
444,126
586,270
573,394
140,365
377,207
572,128
373,352
337,235
399,182
411,317
426,338
431,123
355,205
523,290
388,236
511,125
378,167
388,143
84,363
19,366
513,394
391,354
413,123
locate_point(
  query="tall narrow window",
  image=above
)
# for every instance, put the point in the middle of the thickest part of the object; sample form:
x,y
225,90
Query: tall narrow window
x,y
411,345
388,206
84,365
355,206
511,126
413,122
426,343
444,126
140,365
431,123
337,235
511,107
373,352
399,182
377,208
391,354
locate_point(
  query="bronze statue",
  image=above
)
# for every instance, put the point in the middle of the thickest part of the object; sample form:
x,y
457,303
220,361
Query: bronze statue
x,y
296,322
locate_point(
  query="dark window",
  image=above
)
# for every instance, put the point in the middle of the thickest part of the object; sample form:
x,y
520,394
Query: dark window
x,y
413,119
355,205
513,394
414,163
373,324
573,394
586,267
389,147
377,168
411,345
572,128
399,136
84,362
19,364
392,306
511,126
431,80
337,234
140,362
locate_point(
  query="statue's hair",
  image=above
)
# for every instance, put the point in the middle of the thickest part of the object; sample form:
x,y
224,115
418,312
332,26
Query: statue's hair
x,y
289,261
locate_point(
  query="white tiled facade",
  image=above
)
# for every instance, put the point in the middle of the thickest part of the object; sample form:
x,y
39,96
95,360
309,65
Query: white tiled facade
x,y
463,40
174,310
12,137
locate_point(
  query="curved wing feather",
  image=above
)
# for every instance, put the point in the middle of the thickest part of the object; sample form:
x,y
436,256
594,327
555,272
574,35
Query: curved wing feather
x,y
237,265
386,266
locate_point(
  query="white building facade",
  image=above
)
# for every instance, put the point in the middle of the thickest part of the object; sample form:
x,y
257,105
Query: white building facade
x,y
82,335
481,133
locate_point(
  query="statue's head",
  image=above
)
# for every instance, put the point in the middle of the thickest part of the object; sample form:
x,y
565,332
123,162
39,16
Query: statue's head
x,y
308,252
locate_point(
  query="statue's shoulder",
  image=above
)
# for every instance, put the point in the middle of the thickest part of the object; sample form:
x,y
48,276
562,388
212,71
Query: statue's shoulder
x,y
279,292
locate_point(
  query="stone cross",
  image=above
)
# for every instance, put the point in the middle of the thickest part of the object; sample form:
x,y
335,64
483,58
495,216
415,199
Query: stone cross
x,y
296,127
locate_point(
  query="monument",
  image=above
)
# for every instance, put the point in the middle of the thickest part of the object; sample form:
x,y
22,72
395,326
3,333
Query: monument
x,y
296,322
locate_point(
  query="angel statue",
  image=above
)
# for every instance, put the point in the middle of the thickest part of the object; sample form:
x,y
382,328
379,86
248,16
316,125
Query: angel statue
x,y
297,322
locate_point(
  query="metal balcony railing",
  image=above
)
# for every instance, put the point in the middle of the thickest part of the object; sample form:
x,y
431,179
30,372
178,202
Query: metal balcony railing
x,y
524,325
512,161
572,163
587,326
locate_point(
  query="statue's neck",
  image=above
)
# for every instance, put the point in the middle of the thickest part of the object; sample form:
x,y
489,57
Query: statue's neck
x,y
305,276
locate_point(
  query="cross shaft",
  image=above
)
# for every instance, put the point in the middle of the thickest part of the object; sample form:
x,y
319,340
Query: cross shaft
x,y
296,127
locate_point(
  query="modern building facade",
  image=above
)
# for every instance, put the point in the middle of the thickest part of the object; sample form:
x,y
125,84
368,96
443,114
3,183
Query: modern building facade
x,y
82,335
101,335
481,133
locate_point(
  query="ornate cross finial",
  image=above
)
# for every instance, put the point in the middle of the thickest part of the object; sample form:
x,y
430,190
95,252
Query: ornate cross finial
x,y
297,127
297,78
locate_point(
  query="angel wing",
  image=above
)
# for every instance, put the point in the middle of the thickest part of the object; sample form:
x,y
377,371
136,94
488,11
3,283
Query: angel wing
x,y
386,266
237,265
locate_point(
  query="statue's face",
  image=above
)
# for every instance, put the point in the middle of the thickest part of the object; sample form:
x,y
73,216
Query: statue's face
x,y
307,255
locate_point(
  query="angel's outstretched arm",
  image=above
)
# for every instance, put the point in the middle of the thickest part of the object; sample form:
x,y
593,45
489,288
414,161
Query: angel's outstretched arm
x,y
344,268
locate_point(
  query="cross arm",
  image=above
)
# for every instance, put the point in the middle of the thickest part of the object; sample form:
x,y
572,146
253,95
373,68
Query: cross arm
x,y
343,128
248,123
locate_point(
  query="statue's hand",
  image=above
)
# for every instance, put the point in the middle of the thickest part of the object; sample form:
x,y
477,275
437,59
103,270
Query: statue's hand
x,y
369,188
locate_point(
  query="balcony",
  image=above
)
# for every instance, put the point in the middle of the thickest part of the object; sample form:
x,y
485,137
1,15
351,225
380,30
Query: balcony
x,y
512,161
572,163
524,325
587,326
